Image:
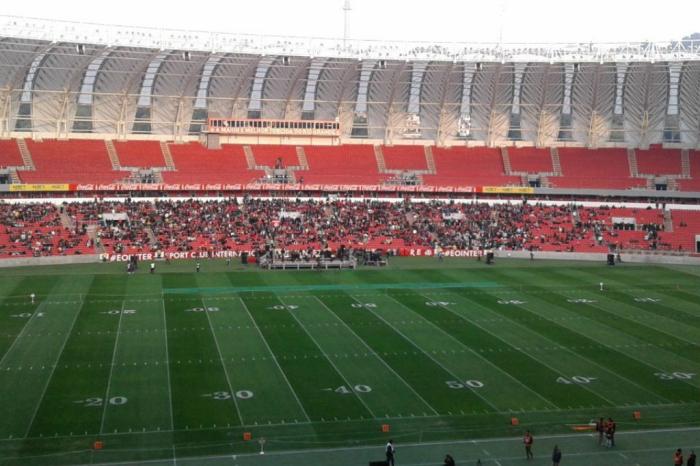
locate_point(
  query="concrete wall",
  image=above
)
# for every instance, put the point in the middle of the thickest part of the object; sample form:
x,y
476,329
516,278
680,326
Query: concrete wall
x,y
570,256
53,260
637,258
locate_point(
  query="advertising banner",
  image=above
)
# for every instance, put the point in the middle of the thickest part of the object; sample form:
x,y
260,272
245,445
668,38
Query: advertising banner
x,y
507,190
39,187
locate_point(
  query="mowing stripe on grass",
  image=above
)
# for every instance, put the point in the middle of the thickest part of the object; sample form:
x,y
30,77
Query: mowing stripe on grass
x,y
358,362
266,396
19,311
467,362
307,369
573,368
531,372
275,395
200,393
656,358
140,370
625,371
111,369
351,388
613,317
408,360
457,379
367,375
33,359
366,346
626,306
79,382
166,363
234,393
683,303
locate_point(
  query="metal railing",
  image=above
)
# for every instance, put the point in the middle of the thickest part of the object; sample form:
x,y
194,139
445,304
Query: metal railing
x,y
161,38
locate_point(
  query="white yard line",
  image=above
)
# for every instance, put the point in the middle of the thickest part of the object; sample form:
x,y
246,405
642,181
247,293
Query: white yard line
x,y
456,377
475,322
374,353
19,335
167,362
571,351
105,400
481,357
603,341
640,322
53,370
223,363
274,358
328,358
537,360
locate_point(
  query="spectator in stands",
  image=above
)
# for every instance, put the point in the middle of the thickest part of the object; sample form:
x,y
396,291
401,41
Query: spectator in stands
x,y
208,226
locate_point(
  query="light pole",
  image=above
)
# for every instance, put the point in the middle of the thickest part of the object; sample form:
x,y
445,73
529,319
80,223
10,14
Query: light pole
x,y
346,11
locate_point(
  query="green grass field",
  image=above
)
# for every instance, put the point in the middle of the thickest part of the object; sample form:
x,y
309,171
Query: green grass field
x,y
174,367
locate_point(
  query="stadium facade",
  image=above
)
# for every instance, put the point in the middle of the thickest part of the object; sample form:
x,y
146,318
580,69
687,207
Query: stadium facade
x,y
61,79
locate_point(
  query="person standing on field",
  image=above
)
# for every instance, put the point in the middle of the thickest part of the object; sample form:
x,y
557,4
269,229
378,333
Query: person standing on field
x,y
390,452
556,456
691,459
528,440
612,427
678,458
600,428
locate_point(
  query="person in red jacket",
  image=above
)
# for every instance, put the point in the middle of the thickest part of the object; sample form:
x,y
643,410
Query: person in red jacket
x,y
678,458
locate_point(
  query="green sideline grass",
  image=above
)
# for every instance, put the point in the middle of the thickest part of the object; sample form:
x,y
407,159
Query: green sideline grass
x,y
181,364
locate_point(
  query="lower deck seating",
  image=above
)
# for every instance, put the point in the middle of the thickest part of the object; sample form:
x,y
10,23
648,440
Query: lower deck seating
x,y
251,224
686,226
35,230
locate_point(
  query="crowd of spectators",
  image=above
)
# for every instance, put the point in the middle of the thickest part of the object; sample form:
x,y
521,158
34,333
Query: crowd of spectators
x,y
252,224
35,230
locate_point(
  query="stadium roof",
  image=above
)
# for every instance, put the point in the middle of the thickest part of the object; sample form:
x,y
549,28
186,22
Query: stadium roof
x,y
115,35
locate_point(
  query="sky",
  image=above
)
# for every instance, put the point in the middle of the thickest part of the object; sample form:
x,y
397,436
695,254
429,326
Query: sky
x,y
513,21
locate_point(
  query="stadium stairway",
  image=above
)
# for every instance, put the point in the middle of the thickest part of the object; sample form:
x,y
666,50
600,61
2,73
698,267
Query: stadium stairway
x,y
27,160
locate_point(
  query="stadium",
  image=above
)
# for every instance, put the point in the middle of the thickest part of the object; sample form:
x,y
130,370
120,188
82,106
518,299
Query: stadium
x,y
224,248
